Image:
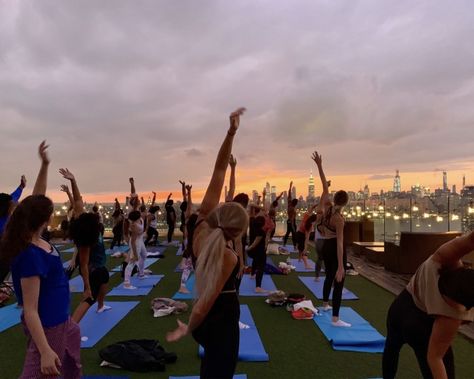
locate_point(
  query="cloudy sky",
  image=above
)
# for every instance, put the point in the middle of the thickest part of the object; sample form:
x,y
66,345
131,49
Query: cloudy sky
x,y
144,88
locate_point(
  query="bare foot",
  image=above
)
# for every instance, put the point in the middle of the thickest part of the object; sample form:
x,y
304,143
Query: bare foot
x,y
183,290
260,290
309,267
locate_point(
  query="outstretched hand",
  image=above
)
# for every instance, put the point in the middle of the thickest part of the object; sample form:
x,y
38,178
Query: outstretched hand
x,y
182,183
317,158
178,333
188,187
66,174
234,119
232,161
291,184
23,181
43,153
65,188
131,180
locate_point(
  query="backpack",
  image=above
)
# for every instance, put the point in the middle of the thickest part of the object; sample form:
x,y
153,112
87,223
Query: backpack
x,y
138,355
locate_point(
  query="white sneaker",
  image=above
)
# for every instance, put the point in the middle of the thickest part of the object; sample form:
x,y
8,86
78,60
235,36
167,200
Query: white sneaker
x,y
326,308
147,272
104,308
340,323
243,326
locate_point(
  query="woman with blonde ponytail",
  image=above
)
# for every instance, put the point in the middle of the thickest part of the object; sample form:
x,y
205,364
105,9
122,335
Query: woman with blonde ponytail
x,y
214,321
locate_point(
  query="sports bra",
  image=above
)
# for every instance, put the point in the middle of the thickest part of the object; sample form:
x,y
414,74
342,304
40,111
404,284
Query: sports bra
x,y
229,285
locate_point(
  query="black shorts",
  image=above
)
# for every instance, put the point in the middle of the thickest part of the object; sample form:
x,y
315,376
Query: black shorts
x,y
97,278
300,240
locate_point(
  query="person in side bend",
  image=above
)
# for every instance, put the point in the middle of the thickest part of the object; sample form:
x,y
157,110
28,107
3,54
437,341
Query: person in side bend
x,y
183,207
319,241
330,225
117,228
272,213
302,235
291,222
85,231
170,217
214,320
41,287
429,311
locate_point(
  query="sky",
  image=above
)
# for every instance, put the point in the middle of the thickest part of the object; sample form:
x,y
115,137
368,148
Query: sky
x,y
144,89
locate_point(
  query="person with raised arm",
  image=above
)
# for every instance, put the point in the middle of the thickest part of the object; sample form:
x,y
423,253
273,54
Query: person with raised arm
x,y
152,222
117,227
86,233
291,222
170,217
183,207
214,320
330,224
41,286
8,202
187,263
302,235
427,314
257,251
272,213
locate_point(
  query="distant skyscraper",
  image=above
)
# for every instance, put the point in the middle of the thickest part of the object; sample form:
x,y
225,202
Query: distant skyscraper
x,y
293,192
273,195
366,192
445,181
311,186
454,189
397,186
463,181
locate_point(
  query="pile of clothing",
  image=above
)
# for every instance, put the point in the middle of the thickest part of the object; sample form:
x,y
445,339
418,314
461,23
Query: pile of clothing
x,y
296,303
163,306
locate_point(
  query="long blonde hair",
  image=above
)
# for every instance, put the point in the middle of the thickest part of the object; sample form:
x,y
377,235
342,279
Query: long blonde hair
x,y
228,221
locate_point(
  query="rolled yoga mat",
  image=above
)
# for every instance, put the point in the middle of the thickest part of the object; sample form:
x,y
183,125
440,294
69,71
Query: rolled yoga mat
x,y
360,337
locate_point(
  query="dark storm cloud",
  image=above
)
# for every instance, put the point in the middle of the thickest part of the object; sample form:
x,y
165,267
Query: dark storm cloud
x,y
124,88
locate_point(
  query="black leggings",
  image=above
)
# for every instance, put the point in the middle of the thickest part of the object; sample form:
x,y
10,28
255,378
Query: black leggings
x,y
97,278
151,233
406,323
258,267
219,335
170,231
329,250
319,255
118,235
290,228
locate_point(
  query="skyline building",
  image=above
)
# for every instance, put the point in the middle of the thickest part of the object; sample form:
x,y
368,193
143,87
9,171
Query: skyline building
x,y
397,186
293,192
445,181
273,195
311,194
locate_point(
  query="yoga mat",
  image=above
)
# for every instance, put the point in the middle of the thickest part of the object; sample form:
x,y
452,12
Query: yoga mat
x,y
190,287
9,316
300,265
66,264
180,251
289,248
76,285
240,376
144,286
118,249
360,337
251,348
317,288
148,263
70,250
247,286
95,325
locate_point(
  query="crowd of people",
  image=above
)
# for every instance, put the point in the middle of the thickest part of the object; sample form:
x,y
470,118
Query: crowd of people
x,y
217,239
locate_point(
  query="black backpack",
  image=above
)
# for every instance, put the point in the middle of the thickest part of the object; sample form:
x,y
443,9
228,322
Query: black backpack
x,y
138,355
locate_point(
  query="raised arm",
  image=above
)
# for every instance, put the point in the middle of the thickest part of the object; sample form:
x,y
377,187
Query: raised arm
x,y
288,198
17,193
153,200
64,188
317,158
232,164
78,204
117,205
183,189
42,178
132,186
189,209
279,197
169,196
213,192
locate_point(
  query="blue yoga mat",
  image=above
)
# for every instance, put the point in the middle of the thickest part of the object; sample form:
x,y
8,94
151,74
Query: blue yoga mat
x,y
240,376
95,325
180,251
247,286
317,288
144,286
251,348
118,249
148,263
360,337
76,284
9,316
300,265
66,264
70,250
190,287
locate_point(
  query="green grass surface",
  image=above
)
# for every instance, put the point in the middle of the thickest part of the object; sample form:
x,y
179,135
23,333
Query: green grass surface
x,y
297,348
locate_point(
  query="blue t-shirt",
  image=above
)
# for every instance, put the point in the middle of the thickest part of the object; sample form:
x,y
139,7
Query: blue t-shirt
x,y
54,296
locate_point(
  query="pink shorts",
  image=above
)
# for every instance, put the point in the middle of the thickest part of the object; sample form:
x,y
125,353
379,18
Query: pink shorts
x,y
65,340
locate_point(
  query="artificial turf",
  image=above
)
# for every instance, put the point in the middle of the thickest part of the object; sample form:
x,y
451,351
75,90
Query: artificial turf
x,y
297,348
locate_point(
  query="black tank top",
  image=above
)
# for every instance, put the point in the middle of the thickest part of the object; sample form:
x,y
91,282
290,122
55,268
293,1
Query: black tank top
x,y
230,284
